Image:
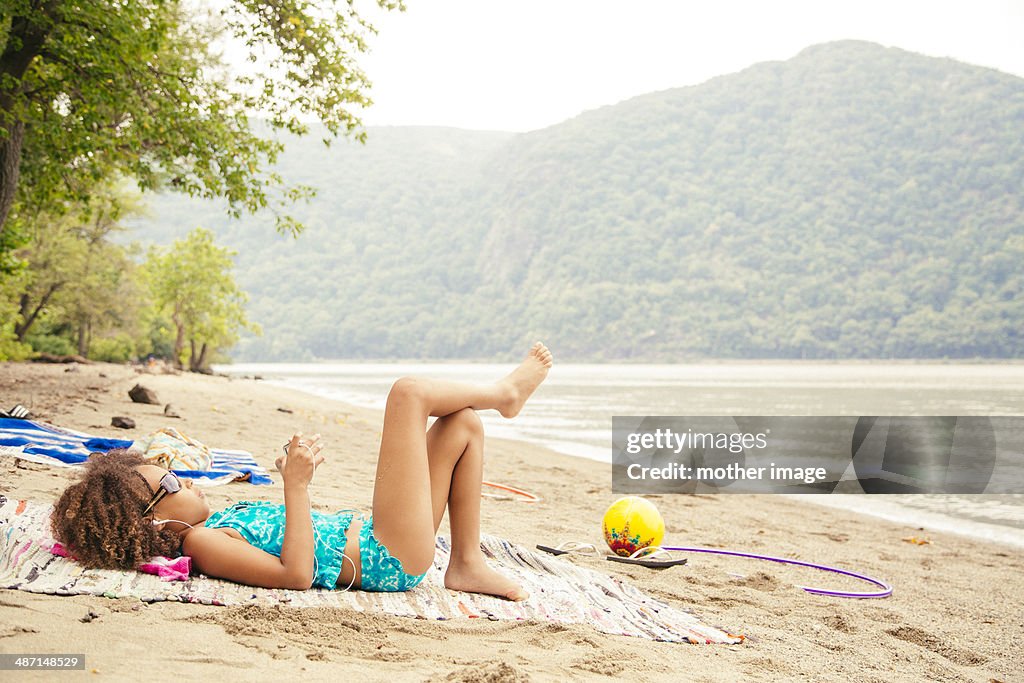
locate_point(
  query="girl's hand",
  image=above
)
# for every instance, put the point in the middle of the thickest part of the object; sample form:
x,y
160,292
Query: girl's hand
x,y
303,457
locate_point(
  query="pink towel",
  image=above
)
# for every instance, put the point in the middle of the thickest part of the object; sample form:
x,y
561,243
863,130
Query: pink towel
x,y
167,569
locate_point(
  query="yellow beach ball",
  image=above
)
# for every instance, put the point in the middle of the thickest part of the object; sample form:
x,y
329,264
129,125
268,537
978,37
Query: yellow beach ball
x,y
632,523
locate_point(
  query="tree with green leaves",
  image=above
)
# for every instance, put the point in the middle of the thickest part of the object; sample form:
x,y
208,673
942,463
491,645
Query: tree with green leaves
x,y
10,347
192,284
75,276
94,88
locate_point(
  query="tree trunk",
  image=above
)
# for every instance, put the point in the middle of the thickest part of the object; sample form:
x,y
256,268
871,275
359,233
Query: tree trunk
x,y
179,340
203,365
192,355
198,362
25,39
28,319
84,337
10,165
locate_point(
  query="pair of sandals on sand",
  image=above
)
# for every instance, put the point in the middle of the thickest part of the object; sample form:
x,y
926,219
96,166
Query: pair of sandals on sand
x,y
18,412
652,558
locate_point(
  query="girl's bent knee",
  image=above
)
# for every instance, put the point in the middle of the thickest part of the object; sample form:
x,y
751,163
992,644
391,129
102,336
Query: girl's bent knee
x,y
468,419
407,390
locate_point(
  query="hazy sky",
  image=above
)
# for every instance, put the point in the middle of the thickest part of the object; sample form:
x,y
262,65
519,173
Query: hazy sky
x,y
526,64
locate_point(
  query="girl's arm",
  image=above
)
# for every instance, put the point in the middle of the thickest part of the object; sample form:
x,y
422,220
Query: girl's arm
x,y
214,553
298,547
217,554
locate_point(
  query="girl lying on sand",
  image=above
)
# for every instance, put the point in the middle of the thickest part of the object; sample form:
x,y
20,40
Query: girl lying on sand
x,y
124,511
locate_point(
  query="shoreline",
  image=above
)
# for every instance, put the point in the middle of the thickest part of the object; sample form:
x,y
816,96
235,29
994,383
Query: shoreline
x,y
691,361
1012,537
878,507
948,619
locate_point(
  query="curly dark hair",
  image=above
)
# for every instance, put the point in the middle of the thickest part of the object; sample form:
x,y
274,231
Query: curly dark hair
x,y
99,518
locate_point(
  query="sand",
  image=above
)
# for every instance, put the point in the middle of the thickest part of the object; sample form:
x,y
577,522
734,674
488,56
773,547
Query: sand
x,y
955,615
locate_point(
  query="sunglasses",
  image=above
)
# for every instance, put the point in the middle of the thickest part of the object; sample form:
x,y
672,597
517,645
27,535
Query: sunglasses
x,y
169,483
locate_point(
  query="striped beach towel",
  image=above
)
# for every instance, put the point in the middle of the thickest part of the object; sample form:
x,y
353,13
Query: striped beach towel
x,y
51,445
560,591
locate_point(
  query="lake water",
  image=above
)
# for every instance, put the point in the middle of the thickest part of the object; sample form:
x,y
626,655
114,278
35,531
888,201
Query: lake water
x,y
572,411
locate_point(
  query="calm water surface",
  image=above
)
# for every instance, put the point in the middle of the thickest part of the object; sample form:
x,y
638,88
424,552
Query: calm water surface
x,y
572,410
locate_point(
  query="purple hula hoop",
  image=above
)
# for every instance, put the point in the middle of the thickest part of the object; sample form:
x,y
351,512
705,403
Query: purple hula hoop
x,y
884,593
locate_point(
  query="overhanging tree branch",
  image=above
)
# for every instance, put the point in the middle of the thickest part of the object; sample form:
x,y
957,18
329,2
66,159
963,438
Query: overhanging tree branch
x,y
151,61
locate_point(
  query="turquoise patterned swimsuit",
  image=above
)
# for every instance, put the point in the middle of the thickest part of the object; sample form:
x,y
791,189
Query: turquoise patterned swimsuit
x,y
262,525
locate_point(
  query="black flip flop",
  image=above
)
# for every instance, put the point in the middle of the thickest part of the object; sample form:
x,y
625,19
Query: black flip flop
x,y
650,564
553,551
570,547
18,412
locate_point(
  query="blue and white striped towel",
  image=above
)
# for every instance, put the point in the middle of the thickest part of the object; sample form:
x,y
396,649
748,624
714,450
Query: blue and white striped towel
x,y
47,444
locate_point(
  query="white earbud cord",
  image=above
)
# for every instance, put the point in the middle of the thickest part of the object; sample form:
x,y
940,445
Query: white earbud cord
x,y
165,521
316,564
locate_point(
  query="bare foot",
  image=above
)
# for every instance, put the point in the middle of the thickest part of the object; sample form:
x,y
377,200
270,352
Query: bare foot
x,y
522,381
474,576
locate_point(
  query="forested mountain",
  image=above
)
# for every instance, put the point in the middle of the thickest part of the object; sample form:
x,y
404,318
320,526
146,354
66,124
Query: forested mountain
x,y
854,201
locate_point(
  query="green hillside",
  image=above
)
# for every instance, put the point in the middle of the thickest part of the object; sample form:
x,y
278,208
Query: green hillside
x,y
854,201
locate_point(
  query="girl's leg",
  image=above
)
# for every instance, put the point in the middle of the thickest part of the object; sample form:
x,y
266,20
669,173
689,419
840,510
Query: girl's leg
x,y
403,508
455,445
455,450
